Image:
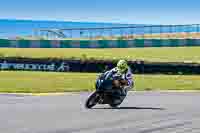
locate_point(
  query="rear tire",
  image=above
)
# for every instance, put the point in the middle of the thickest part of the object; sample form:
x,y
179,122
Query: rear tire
x,y
114,105
92,100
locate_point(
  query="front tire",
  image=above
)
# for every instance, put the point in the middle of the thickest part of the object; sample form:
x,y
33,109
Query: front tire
x,y
92,100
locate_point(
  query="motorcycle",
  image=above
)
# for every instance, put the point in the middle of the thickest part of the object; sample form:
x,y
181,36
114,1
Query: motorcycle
x,y
104,93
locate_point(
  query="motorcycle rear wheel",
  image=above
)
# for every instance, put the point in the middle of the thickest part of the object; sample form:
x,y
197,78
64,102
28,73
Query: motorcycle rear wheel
x,y
114,105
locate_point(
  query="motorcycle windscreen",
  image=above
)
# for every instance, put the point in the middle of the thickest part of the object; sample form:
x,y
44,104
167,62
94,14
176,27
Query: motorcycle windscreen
x,y
106,85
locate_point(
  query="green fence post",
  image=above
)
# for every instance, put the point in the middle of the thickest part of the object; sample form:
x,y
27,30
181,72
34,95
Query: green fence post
x,y
156,42
122,43
24,43
85,43
65,44
103,43
45,44
174,42
5,43
139,42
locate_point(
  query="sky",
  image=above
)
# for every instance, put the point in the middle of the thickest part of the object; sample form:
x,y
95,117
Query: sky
x,y
114,11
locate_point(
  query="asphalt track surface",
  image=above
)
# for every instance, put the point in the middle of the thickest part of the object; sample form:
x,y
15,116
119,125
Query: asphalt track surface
x,y
141,112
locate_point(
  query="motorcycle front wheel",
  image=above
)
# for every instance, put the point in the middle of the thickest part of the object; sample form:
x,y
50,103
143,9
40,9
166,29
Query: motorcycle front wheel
x,y
92,100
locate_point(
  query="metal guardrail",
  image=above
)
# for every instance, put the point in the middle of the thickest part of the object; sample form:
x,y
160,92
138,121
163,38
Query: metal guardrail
x,y
146,31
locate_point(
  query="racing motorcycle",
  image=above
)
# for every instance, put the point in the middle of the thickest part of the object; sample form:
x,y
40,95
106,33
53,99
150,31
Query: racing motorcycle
x,y
105,92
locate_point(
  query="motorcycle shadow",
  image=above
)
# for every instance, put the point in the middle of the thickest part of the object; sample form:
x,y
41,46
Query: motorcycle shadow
x,y
131,108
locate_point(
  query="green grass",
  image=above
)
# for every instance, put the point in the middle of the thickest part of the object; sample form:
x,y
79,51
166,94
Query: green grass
x,y
40,82
164,54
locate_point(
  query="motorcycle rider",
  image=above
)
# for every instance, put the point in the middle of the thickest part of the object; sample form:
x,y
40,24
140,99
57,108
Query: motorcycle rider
x,y
122,86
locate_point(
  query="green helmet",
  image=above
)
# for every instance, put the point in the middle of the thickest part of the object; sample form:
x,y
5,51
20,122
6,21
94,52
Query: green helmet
x,y
122,66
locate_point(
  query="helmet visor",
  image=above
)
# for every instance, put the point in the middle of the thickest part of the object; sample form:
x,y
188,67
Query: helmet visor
x,y
121,69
